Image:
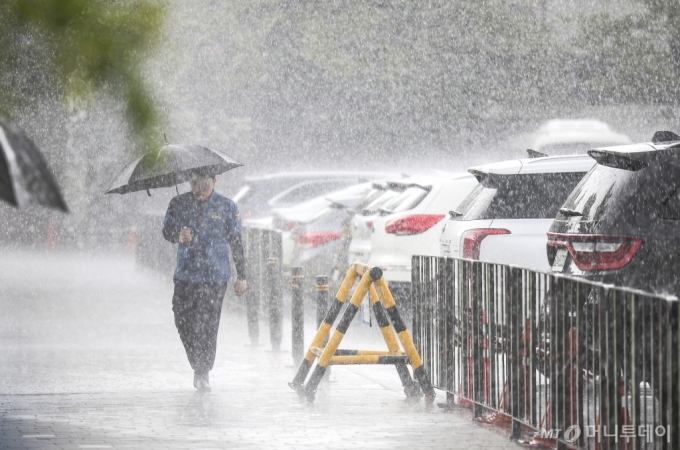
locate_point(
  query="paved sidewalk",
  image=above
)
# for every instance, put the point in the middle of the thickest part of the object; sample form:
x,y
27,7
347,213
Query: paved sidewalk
x,y
89,358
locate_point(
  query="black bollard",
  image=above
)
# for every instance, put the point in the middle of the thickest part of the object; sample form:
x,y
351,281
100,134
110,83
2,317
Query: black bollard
x,y
297,315
321,298
275,302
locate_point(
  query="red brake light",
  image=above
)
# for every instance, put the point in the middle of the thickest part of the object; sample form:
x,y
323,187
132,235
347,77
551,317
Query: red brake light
x,y
310,240
415,224
597,252
472,240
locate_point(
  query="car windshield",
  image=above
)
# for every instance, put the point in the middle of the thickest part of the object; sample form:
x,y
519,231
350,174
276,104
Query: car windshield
x,y
597,189
535,196
409,199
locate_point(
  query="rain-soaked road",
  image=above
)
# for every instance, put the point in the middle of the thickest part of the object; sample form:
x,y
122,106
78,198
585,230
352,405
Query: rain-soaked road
x,y
90,358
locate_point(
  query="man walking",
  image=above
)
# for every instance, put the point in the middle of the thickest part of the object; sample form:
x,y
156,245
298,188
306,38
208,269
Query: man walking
x,y
206,225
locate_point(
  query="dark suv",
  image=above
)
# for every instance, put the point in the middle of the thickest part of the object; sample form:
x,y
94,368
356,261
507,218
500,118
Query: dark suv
x,y
621,225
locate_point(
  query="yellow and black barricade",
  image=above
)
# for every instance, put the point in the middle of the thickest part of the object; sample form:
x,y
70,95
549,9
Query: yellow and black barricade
x,y
385,311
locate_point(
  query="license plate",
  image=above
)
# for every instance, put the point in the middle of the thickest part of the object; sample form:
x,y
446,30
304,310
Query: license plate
x,y
560,259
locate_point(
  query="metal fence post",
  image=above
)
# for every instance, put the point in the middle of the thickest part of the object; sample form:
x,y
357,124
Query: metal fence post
x,y
477,355
275,302
450,330
513,309
297,315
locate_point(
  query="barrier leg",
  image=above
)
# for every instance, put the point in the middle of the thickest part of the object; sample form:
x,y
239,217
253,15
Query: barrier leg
x,y
338,334
419,372
410,387
297,316
324,329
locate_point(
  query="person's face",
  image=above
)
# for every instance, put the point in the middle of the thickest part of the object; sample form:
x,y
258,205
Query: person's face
x,y
202,187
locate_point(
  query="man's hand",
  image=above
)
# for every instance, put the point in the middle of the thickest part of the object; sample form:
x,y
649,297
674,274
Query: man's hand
x,y
240,287
185,235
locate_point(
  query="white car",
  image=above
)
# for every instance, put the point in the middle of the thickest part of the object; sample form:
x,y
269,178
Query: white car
x,y
410,224
296,223
361,227
260,194
506,218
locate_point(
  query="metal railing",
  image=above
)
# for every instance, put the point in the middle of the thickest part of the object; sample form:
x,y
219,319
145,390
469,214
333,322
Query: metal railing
x,y
583,364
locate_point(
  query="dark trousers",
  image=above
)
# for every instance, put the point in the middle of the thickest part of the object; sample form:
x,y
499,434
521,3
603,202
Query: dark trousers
x,y
197,307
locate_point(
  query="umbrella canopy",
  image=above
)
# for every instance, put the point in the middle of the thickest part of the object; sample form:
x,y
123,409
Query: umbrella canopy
x,y
24,176
169,166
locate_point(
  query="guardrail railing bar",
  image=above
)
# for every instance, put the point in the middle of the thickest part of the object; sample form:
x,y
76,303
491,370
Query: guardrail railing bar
x,y
515,336
449,298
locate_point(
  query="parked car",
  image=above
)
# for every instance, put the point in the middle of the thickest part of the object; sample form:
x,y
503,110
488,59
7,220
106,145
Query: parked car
x,y
571,136
260,194
506,217
620,224
410,223
312,230
361,228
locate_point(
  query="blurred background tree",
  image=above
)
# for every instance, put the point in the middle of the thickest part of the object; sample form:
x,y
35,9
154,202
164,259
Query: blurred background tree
x,y
72,75
78,47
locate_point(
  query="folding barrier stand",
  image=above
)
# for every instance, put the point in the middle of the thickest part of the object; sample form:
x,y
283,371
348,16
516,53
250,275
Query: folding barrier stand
x,y
384,307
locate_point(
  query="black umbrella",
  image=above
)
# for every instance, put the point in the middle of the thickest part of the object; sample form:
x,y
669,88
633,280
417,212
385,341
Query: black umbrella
x,y
169,166
24,176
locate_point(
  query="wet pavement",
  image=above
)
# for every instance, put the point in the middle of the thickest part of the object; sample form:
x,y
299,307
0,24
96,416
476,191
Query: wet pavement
x,y
90,358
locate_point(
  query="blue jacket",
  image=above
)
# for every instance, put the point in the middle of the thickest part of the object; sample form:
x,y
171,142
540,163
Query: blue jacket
x,y
214,223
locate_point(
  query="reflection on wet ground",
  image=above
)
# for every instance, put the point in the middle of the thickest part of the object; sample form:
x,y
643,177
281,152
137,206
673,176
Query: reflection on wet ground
x,y
90,358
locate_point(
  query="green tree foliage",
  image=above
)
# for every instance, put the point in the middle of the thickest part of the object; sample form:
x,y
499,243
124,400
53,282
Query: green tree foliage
x,y
82,46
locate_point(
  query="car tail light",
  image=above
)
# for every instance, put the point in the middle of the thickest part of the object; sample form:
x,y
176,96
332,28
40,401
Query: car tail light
x,y
414,224
315,239
472,240
597,252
